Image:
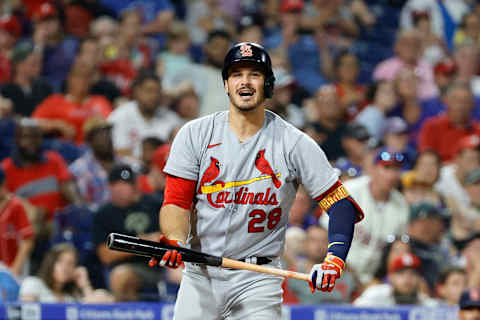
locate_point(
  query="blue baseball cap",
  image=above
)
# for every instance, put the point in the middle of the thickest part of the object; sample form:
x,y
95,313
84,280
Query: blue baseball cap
x,y
470,299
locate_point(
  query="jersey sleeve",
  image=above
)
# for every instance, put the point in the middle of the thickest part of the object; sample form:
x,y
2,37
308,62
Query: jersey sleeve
x,y
184,160
312,168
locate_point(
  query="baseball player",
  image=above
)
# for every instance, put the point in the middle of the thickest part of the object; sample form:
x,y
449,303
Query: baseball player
x,y
240,169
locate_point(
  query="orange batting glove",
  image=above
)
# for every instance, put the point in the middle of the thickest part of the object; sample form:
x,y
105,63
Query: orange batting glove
x,y
171,258
324,275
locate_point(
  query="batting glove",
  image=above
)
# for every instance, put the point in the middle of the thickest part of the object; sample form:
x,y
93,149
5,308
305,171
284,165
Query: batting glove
x,y
171,258
324,275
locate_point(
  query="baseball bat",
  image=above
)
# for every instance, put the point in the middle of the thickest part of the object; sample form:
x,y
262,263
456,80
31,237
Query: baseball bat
x,y
146,248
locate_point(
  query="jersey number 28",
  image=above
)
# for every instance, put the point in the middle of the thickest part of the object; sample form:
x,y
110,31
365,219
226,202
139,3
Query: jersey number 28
x,y
256,224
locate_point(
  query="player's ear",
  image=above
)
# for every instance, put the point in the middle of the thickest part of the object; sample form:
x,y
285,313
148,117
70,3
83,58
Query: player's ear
x,y
225,84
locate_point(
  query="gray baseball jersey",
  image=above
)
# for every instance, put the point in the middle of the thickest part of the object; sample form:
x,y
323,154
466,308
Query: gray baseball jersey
x,y
246,189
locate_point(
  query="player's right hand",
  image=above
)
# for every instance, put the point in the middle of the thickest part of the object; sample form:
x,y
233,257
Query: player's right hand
x,y
171,258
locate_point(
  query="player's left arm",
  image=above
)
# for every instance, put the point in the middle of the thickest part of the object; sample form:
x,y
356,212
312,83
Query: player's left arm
x,y
321,181
343,212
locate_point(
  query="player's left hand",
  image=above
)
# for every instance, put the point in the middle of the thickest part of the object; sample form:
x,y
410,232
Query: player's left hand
x,y
171,258
324,275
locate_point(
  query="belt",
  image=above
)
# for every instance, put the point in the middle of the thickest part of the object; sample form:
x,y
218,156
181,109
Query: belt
x,y
256,260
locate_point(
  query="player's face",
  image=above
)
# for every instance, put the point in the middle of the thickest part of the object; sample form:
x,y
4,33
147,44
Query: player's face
x,y
245,87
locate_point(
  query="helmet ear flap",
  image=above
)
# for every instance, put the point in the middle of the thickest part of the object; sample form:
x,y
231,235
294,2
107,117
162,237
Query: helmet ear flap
x,y
268,86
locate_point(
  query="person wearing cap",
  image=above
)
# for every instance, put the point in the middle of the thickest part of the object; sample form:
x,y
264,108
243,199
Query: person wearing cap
x,y
58,51
16,231
469,304
131,213
386,213
91,169
26,89
396,137
404,287
281,102
355,142
452,176
427,227
10,31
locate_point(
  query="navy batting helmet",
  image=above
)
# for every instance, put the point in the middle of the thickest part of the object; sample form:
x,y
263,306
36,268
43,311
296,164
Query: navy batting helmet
x,y
251,52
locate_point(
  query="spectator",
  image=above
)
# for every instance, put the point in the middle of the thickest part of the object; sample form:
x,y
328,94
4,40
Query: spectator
x,y
206,16
250,29
186,104
315,251
383,99
149,146
91,169
104,29
469,305
294,246
396,138
403,287
452,176
67,113
177,56
355,142
427,227
207,77
10,31
327,121
281,102
386,212
466,58
16,231
58,52
352,94
26,90
407,56
396,246
154,181
145,116
410,108
434,48
444,16
450,284
133,214
441,132
60,279
444,72
39,176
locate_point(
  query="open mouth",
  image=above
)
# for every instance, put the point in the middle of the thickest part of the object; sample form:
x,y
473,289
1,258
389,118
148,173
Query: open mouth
x,y
246,92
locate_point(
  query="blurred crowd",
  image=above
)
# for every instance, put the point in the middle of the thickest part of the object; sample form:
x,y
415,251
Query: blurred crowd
x,y
92,93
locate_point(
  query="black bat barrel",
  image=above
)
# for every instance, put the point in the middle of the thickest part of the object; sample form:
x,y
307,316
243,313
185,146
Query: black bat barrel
x,y
146,248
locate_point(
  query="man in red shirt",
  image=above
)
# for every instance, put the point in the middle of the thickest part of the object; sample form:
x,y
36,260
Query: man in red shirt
x,y
67,113
39,176
154,181
441,133
16,231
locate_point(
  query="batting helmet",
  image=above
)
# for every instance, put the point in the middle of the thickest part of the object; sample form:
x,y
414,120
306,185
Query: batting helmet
x,y
251,52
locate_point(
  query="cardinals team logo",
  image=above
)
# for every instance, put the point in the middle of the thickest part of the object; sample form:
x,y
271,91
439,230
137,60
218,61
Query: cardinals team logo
x,y
264,167
210,174
246,50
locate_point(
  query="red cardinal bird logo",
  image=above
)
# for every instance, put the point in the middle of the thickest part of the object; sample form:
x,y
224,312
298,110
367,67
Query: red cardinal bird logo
x,y
211,173
262,164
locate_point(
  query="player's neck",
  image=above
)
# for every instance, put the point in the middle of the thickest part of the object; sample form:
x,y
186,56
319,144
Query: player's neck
x,y
246,124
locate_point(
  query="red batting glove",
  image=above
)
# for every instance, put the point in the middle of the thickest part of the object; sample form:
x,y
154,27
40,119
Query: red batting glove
x,y
171,258
324,275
